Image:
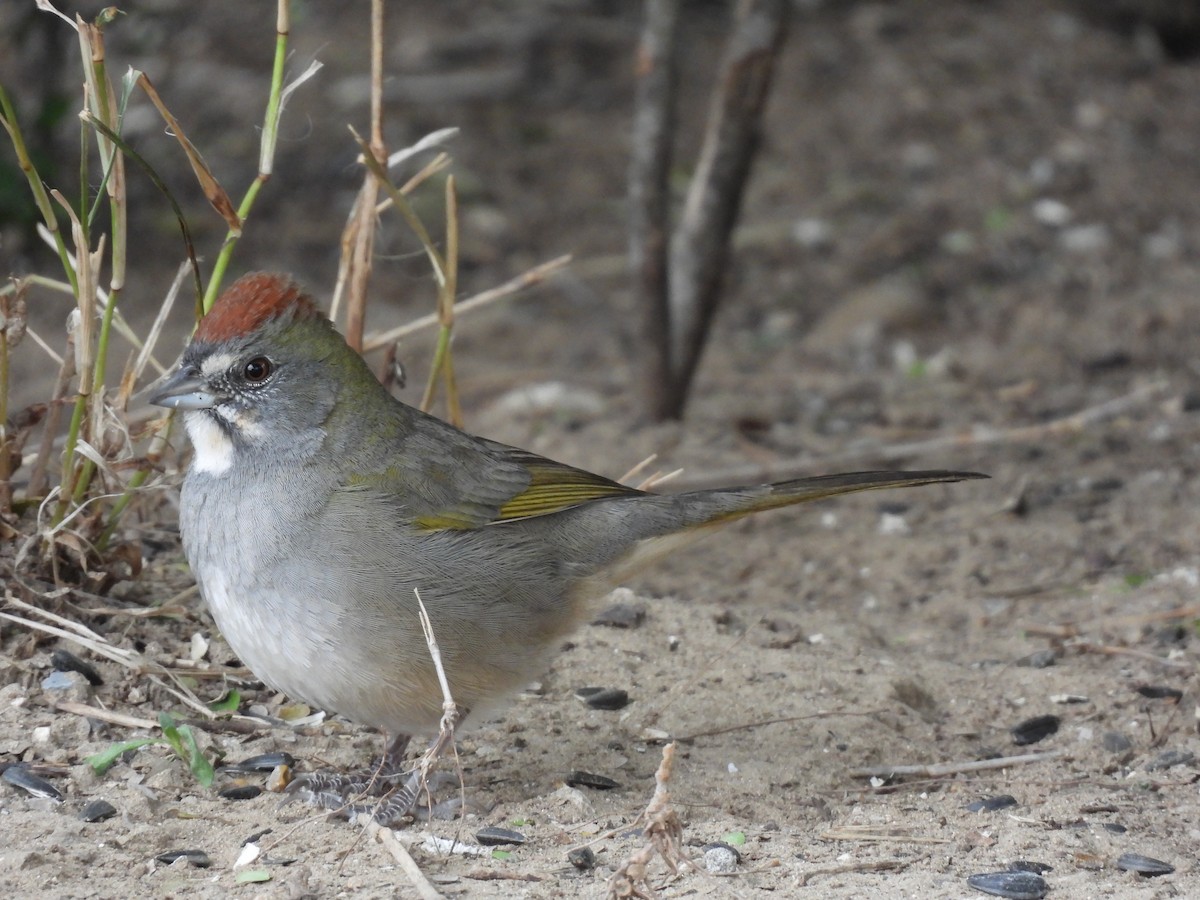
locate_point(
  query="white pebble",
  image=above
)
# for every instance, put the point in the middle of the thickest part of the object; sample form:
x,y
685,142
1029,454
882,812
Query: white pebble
x,y
1050,212
1086,239
720,860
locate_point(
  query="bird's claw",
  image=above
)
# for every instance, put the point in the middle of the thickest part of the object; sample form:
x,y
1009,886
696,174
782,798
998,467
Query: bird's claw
x,y
342,794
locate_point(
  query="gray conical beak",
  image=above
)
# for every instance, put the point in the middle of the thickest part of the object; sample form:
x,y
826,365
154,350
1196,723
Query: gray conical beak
x,y
185,388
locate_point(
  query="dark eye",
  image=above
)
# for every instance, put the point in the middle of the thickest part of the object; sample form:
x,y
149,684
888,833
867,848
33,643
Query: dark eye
x,y
258,370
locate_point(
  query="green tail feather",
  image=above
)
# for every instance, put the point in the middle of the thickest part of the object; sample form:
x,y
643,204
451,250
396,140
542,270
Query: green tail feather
x,y
805,490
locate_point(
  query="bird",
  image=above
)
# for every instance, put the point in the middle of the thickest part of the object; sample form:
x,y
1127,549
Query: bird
x,y
319,514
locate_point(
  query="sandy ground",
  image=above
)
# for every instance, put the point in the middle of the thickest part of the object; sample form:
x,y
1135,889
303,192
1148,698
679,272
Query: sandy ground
x,y
971,242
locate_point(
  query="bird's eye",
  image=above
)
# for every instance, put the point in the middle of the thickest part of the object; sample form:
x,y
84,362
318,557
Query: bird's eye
x,y
258,370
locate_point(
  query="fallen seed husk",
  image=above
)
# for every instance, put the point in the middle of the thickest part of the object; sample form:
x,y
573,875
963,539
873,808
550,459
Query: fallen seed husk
x,y
1011,885
1033,730
240,792
97,811
604,698
264,762
1160,692
494,836
589,779
197,858
582,858
66,661
1027,865
991,804
34,785
1143,865
1169,758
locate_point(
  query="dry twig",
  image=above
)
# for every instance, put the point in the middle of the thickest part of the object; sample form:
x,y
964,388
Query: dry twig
x,y
939,770
425,890
679,288
872,865
664,833
105,715
877,834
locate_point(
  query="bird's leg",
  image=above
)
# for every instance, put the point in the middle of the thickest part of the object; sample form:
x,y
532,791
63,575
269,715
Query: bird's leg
x,y
339,791
403,800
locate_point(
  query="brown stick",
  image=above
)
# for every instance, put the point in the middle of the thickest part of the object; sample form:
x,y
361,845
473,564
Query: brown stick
x,y
938,770
649,195
364,234
700,247
105,715
424,888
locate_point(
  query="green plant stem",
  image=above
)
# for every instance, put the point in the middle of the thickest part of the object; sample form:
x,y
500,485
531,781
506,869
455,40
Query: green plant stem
x,y
266,154
226,253
5,474
114,517
443,359
405,209
38,189
114,178
66,481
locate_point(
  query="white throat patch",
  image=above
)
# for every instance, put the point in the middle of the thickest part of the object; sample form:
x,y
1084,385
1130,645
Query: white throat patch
x,y
214,449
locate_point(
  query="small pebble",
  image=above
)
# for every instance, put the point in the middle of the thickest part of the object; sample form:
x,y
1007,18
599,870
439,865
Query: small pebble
x,y
1013,885
494,836
621,615
240,792
1043,659
1033,730
582,858
1115,828
197,858
721,859
991,804
66,661
591,780
1115,742
264,762
1085,239
58,680
1170,758
1143,865
34,785
97,811
603,698
1052,213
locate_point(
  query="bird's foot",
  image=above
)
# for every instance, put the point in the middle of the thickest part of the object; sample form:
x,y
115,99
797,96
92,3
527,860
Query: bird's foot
x,y
383,799
337,791
387,793
345,793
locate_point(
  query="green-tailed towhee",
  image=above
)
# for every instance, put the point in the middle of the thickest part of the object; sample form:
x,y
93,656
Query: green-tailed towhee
x,y
317,505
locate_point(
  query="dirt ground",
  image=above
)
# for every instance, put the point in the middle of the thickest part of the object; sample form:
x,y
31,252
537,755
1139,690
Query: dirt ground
x,y
971,241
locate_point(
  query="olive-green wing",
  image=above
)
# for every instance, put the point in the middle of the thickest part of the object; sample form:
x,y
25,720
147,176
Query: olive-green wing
x,y
554,486
443,479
